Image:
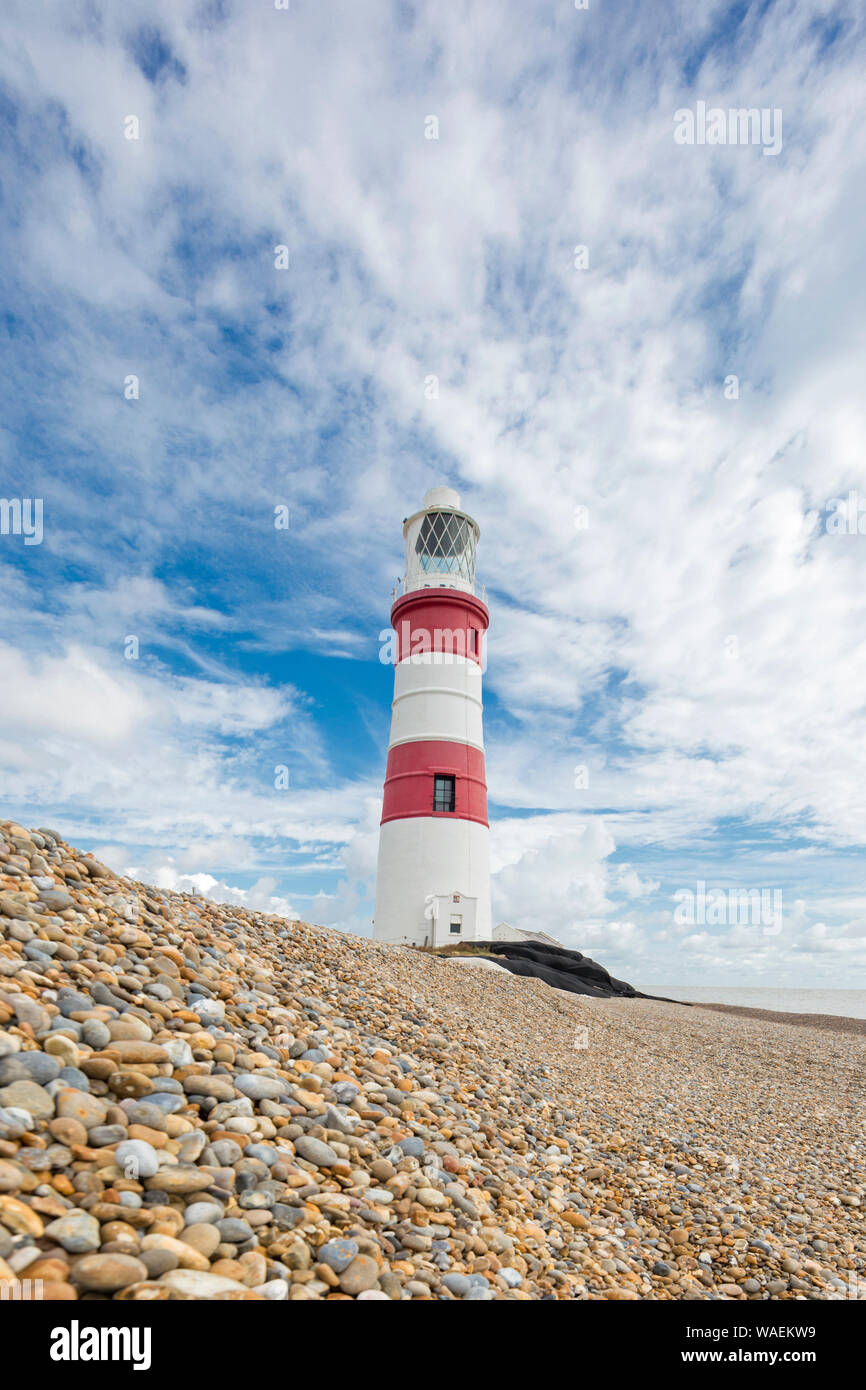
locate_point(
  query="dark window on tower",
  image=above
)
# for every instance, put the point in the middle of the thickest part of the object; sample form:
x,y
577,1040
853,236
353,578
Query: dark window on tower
x,y
443,793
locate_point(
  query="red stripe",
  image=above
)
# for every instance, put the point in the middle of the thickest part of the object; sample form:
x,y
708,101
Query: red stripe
x,y
439,620
409,780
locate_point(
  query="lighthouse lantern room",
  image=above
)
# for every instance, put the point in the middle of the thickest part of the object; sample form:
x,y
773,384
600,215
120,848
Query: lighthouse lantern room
x,y
433,876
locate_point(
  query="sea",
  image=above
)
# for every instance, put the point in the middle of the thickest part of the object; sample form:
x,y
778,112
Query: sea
x,y
844,1003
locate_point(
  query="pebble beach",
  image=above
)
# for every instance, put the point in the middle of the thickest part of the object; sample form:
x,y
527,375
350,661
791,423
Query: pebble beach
x,y
203,1102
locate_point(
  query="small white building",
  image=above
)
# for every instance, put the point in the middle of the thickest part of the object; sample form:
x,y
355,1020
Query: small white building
x,y
453,918
505,932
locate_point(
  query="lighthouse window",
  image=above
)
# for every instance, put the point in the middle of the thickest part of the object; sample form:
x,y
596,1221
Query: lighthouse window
x,y
446,545
443,793
456,925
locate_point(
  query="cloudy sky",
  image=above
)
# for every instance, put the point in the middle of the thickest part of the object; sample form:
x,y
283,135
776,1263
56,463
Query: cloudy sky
x,y
649,365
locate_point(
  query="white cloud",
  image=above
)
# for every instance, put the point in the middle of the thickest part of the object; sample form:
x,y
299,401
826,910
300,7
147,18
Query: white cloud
x,y
259,897
557,883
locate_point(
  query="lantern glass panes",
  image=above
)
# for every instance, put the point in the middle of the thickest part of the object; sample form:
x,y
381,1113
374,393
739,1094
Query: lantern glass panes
x,y
446,545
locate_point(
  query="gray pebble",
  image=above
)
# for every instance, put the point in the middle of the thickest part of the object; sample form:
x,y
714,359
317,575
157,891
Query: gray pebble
x,y
233,1230
338,1254
103,1135
29,1066
199,1213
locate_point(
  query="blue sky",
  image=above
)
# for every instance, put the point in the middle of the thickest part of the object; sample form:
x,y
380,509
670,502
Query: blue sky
x,y
697,647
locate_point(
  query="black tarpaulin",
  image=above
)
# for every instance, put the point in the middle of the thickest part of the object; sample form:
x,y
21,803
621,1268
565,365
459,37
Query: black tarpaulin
x,y
563,969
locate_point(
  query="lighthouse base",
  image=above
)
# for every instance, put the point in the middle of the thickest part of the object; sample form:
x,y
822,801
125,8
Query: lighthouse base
x,y
432,881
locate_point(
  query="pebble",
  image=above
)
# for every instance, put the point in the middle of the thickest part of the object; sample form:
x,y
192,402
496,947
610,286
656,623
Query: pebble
x,y
314,1151
147,1113
15,1122
137,1158
260,1087
411,1147
233,1230
158,1260
181,1180
29,1066
203,1236
108,1273
26,1095
58,1045
360,1275
76,1105
77,1232
95,1033
101,1136
338,1254
277,1290
198,1212
193,1283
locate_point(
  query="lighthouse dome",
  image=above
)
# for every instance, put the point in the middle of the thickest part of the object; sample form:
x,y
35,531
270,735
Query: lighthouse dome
x,y
442,497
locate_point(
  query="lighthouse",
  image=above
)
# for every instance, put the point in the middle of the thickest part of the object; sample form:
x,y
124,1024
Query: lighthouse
x,y
433,876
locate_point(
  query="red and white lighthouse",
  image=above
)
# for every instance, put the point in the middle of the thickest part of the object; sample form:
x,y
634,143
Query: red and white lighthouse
x,y
433,877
